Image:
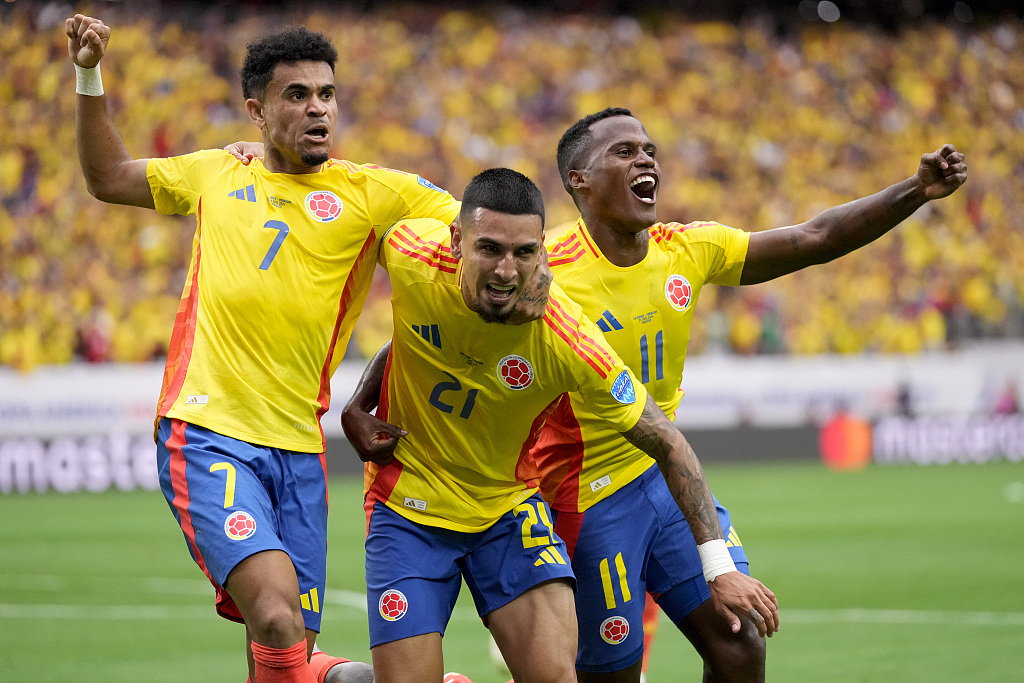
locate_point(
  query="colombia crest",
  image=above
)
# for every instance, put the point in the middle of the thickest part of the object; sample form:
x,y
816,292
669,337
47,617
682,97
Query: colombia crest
x,y
323,205
678,292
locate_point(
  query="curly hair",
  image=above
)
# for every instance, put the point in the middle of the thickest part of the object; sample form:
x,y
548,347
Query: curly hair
x,y
576,140
291,44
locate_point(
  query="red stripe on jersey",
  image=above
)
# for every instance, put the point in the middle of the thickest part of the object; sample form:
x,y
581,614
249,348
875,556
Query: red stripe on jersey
x,y
347,295
665,231
526,467
558,454
435,258
586,347
590,245
378,482
414,241
569,251
183,335
179,484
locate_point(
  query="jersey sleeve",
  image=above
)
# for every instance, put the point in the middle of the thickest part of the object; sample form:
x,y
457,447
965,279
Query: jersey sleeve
x,y
718,249
177,183
403,195
608,388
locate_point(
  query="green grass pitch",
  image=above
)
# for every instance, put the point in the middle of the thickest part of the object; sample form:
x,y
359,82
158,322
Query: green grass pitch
x,y
886,574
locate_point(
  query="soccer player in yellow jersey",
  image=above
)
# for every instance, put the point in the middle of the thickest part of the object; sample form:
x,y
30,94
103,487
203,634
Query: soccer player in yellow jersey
x,y
459,498
282,258
640,280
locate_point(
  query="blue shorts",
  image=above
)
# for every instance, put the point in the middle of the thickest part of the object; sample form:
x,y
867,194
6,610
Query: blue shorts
x,y
234,499
414,572
634,541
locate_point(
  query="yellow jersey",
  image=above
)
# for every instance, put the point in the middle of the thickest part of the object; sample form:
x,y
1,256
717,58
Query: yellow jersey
x,y
473,395
645,313
280,268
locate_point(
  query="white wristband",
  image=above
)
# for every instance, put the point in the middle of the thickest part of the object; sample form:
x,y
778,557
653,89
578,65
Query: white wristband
x,y
715,559
88,81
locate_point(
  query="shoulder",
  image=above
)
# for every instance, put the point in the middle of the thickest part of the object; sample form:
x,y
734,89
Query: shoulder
x,y
570,248
427,240
390,178
697,231
203,161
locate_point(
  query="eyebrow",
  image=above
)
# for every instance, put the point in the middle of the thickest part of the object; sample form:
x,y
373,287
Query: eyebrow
x,y
305,88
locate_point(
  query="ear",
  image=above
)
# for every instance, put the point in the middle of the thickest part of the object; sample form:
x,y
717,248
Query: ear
x,y
576,179
456,230
254,108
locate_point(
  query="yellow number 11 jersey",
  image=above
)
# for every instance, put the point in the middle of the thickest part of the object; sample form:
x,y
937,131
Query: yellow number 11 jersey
x,y
645,313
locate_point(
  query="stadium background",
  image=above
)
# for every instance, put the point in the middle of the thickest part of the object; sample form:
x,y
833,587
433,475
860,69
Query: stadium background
x,y
765,113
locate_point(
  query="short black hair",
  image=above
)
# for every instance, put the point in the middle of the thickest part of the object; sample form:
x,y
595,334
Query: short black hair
x,y
290,44
502,190
575,140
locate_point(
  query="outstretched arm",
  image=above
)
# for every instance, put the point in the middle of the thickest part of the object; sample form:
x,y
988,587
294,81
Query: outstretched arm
x,y
844,228
373,439
111,174
731,591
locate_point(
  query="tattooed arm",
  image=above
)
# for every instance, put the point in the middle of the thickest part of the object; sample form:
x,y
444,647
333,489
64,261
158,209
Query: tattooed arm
x,y
844,228
732,592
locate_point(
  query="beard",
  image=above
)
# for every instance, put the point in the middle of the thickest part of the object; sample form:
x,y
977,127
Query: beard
x,y
310,159
492,316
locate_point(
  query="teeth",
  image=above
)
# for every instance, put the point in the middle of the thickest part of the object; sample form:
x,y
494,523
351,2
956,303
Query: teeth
x,y
640,180
500,288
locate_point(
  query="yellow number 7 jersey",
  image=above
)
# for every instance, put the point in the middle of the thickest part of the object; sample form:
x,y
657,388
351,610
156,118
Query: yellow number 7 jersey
x,y
281,265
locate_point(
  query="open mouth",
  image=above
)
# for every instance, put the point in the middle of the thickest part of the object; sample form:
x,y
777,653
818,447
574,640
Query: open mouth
x,y
318,133
645,187
500,294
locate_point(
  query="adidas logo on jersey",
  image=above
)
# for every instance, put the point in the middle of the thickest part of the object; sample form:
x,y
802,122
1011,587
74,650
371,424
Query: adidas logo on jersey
x,y
247,193
429,332
607,322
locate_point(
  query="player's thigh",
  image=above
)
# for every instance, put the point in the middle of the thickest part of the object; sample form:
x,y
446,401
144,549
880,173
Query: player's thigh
x,y
519,551
213,490
536,633
412,577
522,583
611,542
673,564
298,485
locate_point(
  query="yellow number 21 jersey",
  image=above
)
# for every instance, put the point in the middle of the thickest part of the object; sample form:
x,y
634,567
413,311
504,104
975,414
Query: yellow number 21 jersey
x,y
473,394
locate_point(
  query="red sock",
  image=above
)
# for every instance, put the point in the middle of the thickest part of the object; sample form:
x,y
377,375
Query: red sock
x,y
282,666
321,663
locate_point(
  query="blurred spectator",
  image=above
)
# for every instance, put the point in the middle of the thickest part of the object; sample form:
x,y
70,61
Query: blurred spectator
x,y
758,127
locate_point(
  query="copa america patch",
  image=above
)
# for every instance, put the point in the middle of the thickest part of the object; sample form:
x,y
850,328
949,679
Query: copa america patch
x,y
239,525
515,372
426,183
323,205
393,604
678,292
614,630
622,389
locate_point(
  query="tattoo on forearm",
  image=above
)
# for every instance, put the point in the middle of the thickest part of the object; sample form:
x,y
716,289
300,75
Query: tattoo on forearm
x,y
657,437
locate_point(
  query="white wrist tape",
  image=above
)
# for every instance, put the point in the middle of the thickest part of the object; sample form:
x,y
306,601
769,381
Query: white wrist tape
x,y
88,81
715,559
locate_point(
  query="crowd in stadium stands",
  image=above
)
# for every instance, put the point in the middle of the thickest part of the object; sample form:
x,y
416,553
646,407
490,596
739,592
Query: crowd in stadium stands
x,y
754,131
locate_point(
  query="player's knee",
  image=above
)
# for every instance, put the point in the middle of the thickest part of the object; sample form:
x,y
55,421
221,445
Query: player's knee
x,y
275,623
738,657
